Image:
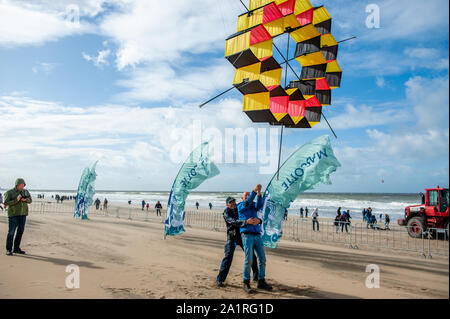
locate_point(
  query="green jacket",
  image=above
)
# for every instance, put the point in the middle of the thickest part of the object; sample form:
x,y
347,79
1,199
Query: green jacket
x,y
17,208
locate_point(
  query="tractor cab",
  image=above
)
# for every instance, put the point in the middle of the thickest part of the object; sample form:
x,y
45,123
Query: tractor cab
x,y
432,213
437,201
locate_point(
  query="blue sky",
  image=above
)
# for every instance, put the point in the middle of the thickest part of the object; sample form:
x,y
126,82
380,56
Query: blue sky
x,y
116,86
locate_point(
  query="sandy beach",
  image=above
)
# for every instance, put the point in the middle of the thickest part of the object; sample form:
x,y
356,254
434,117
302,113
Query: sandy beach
x,y
121,258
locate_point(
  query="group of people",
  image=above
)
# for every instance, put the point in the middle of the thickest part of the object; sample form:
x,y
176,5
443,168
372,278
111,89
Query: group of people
x,y
98,203
197,204
371,220
244,230
342,219
145,204
62,198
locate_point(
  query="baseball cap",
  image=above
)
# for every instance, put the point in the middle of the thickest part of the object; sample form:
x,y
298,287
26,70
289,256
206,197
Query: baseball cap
x,y
229,200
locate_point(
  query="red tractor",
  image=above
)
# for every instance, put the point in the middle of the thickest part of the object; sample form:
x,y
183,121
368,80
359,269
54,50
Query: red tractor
x,y
431,214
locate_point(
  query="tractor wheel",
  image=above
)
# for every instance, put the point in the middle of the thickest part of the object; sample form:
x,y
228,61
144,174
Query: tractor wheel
x,y
415,227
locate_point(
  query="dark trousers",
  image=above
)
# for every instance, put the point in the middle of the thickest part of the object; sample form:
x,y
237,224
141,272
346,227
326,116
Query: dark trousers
x,y
158,212
15,223
315,221
225,266
342,227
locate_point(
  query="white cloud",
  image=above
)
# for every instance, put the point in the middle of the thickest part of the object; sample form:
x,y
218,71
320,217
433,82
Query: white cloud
x,y
380,81
430,101
44,67
155,31
390,62
100,60
26,25
121,137
184,83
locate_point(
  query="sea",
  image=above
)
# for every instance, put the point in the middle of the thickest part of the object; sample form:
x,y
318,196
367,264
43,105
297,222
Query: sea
x,y
327,203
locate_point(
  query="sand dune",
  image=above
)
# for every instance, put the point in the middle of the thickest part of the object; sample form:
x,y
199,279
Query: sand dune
x,y
119,258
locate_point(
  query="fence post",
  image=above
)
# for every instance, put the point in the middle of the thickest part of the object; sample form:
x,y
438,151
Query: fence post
x,y
429,245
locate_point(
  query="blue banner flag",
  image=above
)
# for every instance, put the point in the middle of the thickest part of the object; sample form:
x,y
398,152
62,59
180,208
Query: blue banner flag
x,y
311,164
86,191
194,172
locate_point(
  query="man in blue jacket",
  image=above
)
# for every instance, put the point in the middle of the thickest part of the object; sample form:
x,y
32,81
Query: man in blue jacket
x,y
251,237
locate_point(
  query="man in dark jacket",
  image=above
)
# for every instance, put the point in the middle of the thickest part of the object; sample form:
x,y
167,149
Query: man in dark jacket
x,y
251,237
233,239
17,200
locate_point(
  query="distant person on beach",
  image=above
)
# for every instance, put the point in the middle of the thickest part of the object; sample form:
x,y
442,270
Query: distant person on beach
x,y
337,222
286,214
315,220
17,200
143,204
251,237
105,204
148,206
97,203
234,239
129,202
210,206
364,212
345,221
197,204
306,212
387,220
158,207
301,212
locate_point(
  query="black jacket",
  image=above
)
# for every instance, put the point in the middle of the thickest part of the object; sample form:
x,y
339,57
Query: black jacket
x,y
233,223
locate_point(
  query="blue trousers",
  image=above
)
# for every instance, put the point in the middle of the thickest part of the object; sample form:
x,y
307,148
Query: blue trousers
x,y
15,223
230,246
253,243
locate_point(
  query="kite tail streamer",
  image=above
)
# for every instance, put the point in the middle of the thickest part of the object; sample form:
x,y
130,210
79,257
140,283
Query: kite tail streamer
x,y
192,174
311,164
86,191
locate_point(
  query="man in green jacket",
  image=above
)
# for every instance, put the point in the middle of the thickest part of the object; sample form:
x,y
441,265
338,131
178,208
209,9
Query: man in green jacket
x,y
16,200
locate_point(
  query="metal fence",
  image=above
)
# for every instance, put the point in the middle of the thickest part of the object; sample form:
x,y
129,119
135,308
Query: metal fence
x,y
353,235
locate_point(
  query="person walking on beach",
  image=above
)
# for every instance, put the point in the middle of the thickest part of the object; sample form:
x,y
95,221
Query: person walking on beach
x,y
286,214
210,206
306,212
387,220
158,207
97,203
301,212
197,204
143,204
16,200
344,222
251,237
234,239
315,221
337,222
148,206
105,204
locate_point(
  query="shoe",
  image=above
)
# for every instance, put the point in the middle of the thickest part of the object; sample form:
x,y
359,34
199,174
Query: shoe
x,y
219,284
246,286
19,251
9,253
262,284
